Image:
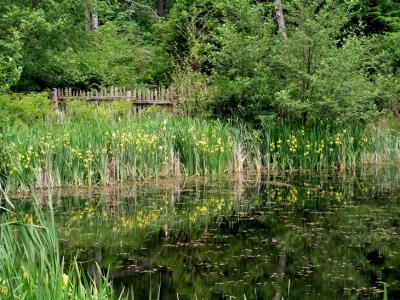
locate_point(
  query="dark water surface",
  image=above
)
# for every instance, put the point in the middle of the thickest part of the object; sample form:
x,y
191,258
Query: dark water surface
x,y
326,236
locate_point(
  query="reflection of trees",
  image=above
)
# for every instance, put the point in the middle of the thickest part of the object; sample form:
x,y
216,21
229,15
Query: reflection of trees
x,y
321,231
93,268
281,274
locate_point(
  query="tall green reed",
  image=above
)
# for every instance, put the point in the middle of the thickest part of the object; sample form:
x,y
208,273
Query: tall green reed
x,y
323,146
30,262
107,151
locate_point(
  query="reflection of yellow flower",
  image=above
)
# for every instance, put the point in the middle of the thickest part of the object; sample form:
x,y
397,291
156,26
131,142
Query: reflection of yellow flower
x,y
64,280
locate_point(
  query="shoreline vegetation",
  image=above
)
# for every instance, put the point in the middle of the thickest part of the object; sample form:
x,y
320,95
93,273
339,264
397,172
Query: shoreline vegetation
x,y
31,266
272,86
101,145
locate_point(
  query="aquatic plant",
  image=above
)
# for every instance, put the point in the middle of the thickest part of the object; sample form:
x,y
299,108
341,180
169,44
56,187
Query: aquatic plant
x,y
324,146
107,151
31,266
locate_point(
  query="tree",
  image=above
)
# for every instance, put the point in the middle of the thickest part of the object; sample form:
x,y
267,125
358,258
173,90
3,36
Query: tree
x,y
280,18
10,47
377,17
309,66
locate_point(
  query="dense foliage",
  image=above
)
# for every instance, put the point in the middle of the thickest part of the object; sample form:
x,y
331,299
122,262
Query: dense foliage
x,y
341,59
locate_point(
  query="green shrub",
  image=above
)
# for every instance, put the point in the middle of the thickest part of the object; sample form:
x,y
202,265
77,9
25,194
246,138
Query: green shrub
x,y
85,111
25,108
319,72
121,109
155,111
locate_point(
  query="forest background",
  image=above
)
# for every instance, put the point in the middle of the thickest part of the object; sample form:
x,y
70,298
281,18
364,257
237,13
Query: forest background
x,y
334,60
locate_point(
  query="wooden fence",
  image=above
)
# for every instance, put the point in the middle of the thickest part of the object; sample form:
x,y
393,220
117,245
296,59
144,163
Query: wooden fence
x,y
140,99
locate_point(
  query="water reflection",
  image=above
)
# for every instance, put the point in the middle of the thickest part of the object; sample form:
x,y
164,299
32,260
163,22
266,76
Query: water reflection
x,y
333,235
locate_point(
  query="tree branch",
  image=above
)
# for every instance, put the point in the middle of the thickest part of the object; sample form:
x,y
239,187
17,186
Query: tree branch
x,y
142,6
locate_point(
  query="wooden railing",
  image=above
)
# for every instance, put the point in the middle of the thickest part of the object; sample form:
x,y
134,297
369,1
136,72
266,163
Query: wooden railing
x,y
140,98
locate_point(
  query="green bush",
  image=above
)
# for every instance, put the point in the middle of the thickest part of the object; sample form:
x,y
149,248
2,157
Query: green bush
x,y
25,108
155,111
84,111
307,76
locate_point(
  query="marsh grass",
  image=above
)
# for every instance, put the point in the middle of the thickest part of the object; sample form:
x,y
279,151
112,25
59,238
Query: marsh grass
x,y
385,293
324,146
113,150
30,262
106,152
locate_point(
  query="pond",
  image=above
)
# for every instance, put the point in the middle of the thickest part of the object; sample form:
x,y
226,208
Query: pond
x,y
333,235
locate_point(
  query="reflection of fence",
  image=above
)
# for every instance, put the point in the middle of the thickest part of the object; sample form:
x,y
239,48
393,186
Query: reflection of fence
x,y
141,99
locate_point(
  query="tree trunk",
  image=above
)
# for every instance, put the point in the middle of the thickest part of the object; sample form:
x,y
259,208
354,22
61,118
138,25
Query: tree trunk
x,y
95,20
161,8
92,21
281,274
280,18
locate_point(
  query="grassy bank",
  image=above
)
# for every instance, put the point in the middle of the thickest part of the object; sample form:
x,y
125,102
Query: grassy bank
x,y
106,151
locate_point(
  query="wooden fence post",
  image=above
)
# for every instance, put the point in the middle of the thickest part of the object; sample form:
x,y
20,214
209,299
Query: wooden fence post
x,y
55,99
174,99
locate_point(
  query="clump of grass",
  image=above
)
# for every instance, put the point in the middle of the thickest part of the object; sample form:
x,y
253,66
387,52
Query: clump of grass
x,y
31,266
